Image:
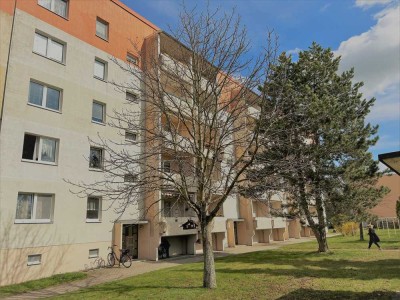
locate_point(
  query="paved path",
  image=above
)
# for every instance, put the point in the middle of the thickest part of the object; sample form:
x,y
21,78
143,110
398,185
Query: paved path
x,y
99,276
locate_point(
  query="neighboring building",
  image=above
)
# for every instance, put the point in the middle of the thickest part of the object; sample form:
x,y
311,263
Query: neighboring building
x,y
55,93
386,209
391,160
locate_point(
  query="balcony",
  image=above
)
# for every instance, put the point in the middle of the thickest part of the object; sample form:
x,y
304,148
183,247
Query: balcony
x,y
253,112
263,223
172,226
278,222
219,224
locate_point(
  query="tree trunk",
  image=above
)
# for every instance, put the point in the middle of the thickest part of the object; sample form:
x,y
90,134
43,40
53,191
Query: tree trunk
x,y
320,234
361,232
209,276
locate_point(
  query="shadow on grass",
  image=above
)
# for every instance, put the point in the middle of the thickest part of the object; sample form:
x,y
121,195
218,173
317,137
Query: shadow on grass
x,y
301,264
331,295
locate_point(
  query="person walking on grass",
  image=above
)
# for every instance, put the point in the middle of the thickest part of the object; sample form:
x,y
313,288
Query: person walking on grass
x,y
373,237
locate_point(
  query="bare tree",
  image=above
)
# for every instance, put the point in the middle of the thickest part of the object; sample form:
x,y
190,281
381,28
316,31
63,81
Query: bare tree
x,y
195,132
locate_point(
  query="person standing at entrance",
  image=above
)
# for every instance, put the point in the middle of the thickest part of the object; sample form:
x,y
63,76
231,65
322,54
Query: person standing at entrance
x,y
373,237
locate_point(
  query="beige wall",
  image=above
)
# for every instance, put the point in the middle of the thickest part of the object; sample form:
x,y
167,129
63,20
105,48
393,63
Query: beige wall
x,y
5,33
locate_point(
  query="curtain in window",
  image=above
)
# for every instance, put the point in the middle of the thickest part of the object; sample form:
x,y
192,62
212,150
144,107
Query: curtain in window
x,y
24,206
55,51
95,158
99,69
60,7
43,207
93,208
101,29
97,112
45,3
53,99
48,150
35,93
40,44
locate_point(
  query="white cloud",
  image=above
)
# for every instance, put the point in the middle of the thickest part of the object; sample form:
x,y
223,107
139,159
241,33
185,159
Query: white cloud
x,y
375,55
325,7
369,3
293,51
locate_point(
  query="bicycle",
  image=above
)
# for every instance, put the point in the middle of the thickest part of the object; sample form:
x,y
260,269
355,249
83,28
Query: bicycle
x,y
124,257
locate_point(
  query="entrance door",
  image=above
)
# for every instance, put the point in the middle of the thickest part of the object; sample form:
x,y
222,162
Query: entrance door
x,y
236,233
130,239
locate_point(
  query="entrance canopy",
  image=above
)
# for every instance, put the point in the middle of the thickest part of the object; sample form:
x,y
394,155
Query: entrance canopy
x,y
391,160
133,221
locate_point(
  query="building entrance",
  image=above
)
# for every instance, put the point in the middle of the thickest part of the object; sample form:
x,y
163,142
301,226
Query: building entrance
x,y
130,239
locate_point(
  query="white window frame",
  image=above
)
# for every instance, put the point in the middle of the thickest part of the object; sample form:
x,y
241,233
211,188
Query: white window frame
x,y
38,150
52,7
134,95
104,63
90,220
95,254
35,262
44,96
163,163
106,24
103,121
132,59
49,43
33,220
101,159
130,133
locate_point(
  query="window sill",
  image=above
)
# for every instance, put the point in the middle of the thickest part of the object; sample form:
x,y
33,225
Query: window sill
x,y
45,108
99,78
91,257
65,18
100,37
33,221
99,123
92,221
57,61
95,170
33,264
38,162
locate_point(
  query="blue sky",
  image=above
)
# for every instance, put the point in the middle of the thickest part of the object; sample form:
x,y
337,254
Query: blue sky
x,y
366,33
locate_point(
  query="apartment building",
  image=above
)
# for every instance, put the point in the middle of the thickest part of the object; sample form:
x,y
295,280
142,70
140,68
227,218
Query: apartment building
x,y
56,95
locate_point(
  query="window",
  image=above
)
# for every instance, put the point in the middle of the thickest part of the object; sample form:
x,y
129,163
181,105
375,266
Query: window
x,y
98,112
132,59
41,149
102,29
131,97
93,209
48,47
34,208
44,96
35,259
130,136
166,166
93,253
96,158
100,69
130,177
59,7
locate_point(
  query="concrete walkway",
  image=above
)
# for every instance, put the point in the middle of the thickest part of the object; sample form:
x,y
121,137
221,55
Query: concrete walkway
x,y
99,276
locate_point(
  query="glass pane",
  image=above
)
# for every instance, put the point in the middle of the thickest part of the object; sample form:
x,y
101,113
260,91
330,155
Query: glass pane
x,y
53,99
24,206
60,7
56,51
99,69
29,148
97,112
93,208
102,29
35,93
95,158
40,44
45,3
48,152
43,207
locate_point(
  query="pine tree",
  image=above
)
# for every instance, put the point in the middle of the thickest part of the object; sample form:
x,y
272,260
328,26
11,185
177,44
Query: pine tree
x,y
315,147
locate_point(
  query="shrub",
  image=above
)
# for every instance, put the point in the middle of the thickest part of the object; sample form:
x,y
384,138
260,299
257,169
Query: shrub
x,y
349,228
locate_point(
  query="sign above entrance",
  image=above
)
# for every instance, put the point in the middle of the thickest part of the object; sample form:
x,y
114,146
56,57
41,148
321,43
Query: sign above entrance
x,y
190,224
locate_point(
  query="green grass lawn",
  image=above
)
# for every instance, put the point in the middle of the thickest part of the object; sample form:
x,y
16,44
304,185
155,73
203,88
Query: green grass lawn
x,y
39,284
350,271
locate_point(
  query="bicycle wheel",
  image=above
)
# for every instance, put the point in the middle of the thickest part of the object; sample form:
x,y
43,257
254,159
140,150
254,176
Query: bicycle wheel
x,y
111,260
126,261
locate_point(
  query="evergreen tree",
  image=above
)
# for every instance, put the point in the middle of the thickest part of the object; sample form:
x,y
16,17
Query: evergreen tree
x,y
315,148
